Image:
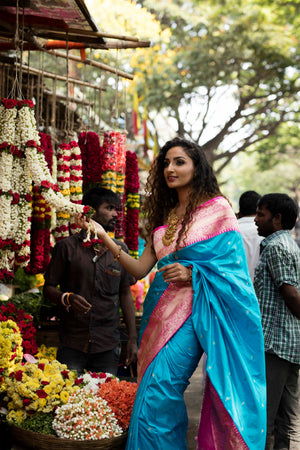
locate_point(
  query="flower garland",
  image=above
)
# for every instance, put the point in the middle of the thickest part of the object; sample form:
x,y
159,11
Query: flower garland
x,y
75,180
41,219
15,186
63,180
91,153
10,350
85,417
113,172
38,387
132,185
21,159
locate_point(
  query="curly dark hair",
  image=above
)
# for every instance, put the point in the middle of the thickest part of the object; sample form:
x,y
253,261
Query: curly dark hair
x,y
160,199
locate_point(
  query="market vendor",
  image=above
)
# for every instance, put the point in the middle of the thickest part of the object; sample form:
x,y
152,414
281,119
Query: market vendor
x,y
89,285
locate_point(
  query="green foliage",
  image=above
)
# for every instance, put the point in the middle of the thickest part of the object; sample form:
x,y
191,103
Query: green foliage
x,y
40,423
23,281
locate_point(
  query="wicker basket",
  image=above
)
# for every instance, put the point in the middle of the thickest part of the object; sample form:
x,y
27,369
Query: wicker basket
x,y
24,439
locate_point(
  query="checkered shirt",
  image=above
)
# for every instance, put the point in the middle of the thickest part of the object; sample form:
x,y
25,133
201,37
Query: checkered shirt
x,y
279,263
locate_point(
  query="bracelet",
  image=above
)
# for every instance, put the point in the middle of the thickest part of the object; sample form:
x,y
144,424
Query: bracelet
x,y
62,299
67,302
189,280
117,257
68,298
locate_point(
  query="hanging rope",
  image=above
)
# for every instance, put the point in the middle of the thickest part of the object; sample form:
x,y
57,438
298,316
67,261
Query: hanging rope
x,y
67,112
15,90
99,105
117,90
125,107
28,73
38,99
41,120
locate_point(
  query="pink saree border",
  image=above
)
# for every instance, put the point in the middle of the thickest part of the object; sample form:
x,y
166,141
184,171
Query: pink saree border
x,y
216,425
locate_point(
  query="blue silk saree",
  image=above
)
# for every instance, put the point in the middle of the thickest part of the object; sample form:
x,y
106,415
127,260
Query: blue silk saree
x,y
218,314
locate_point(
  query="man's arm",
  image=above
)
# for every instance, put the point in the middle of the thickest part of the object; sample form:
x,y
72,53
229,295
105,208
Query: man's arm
x,y
52,294
292,298
126,302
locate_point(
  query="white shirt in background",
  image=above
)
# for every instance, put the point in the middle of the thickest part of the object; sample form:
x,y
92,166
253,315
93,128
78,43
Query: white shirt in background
x,y
251,241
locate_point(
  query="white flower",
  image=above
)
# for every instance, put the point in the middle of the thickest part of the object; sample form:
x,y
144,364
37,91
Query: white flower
x,y
8,126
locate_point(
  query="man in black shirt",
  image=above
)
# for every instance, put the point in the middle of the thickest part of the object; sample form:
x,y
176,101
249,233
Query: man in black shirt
x,y
89,285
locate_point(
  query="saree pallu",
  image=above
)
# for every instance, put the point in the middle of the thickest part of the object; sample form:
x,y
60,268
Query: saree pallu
x,y
219,314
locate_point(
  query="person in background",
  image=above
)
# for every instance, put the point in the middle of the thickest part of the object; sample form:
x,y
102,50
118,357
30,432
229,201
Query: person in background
x,y
201,299
247,210
277,285
89,284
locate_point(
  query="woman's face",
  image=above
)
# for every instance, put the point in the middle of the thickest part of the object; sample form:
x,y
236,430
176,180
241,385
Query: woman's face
x,y
178,168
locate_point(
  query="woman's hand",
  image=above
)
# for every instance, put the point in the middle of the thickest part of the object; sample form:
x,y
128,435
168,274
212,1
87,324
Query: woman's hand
x,y
176,272
82,222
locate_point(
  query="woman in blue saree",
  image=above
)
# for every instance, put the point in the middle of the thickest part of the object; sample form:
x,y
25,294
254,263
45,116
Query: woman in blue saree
x,y
201,299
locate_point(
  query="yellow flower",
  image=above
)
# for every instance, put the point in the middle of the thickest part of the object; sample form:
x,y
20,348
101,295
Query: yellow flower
x,y
42,402
64,396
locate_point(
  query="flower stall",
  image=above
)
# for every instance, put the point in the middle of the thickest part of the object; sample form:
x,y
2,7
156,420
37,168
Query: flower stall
x,y
47,160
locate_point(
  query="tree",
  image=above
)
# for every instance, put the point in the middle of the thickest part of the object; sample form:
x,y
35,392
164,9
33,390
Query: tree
x,y
242,50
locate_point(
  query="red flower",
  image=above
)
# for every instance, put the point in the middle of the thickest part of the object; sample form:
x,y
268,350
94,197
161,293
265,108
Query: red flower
x,y
15,199
45,184
9,103
65,373
41,393
26,401
94,374
31,143
41,366
28,103
28,197
19,375
78,381
102,375
44,383
4,145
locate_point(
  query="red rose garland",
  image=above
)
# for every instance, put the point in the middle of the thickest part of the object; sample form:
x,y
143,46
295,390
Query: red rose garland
x,y
132,185
91,153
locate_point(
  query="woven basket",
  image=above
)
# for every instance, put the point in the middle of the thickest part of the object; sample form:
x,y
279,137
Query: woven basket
x,y
24,439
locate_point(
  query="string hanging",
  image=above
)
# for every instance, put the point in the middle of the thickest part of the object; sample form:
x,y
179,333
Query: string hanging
x,y
117,89
15,90
67,115
99,105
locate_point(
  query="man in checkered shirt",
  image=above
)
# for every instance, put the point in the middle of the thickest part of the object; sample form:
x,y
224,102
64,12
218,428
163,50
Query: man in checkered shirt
x,y
277,286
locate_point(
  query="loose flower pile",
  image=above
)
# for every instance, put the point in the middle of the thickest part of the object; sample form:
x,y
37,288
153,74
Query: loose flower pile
x,y
86,417
25,325
10,350
120,397
91,381
38,387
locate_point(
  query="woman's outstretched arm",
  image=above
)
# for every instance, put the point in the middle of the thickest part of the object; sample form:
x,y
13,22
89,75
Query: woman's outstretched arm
x,y
138,268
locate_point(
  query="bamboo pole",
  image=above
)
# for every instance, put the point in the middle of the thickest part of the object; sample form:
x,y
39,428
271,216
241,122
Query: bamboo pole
x,y
92,63
54,76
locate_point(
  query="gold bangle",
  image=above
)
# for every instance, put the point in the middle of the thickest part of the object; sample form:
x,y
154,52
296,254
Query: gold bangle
x,y
67,298
117,256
